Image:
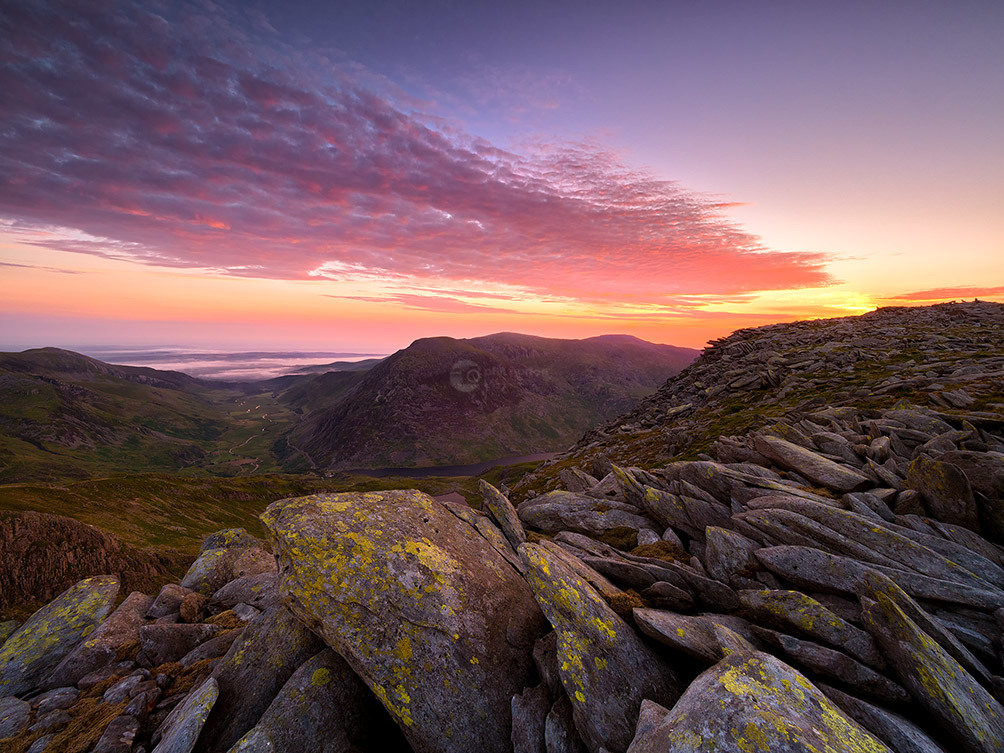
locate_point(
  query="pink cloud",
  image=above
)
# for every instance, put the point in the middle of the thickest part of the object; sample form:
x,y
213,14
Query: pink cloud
x,y
195,142
948,294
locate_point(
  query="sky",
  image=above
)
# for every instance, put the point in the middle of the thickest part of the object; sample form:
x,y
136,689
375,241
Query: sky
x,y
356,175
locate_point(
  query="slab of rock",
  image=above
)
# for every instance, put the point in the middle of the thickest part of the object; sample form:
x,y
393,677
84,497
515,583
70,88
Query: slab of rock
x,y
254,670
182,727
835,665
794,611
504,513
564,511
691,635
961,706
731,557
751,701
35,648
899,733
813,466
58,698
811,568
168,643
605,668
560,735
432,617
101,647
948,495
323,707
211,649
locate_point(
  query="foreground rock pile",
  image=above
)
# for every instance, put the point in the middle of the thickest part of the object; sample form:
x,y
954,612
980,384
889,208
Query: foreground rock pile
x,y
833,581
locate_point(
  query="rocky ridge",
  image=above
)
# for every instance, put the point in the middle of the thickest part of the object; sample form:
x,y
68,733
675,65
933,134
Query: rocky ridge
x,y
831,581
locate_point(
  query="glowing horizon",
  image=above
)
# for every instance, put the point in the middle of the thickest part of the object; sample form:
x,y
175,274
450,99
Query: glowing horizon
x,y
219,178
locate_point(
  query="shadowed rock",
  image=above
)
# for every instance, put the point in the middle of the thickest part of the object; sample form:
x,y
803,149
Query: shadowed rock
x,y
900,734
35,648
948,496
605,668
323,707
253,671
563,511
751,701
430,615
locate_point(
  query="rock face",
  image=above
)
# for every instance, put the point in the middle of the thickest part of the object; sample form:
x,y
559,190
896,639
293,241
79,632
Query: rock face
x,y
431,616
751,701
53,632
30,574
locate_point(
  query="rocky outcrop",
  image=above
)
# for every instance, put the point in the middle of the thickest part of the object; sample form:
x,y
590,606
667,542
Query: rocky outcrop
x,y
31,574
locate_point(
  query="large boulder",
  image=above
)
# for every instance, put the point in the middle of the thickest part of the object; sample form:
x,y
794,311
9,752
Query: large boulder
x,y
34,650
948,495
605,667
563,511
323,707
751,701
811,465
432,617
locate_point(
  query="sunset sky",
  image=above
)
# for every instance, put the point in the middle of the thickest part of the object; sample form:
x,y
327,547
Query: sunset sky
x,y
355,175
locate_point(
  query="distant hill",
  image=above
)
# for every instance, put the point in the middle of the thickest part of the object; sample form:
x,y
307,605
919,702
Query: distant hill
x,y
447,401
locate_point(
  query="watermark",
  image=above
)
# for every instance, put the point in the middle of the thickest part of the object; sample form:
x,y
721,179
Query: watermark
x,y
465,376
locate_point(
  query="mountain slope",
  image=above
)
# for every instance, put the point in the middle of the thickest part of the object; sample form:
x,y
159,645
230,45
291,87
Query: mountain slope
x,y
947,357
443,400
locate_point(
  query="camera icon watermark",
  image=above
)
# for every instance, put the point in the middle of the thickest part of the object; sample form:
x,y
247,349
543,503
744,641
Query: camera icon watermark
x,y
465,376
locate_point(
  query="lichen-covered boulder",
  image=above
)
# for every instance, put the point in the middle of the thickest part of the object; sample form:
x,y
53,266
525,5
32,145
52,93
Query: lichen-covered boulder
x,y
227,555
181,729
437,623
751,701
100,648
323,707
947,492
253,672
952,696
605,667
504,513
32,652
7,630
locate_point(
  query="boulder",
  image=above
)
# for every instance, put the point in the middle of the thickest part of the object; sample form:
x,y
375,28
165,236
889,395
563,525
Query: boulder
x,y
226,555
118,735
813,466
691,635
7,630
14,716
168,643
182,727
948,495
436,622
101,648
256,667
960,705
323,707
36,647
168,601
751,701
559,729
605,668
259,591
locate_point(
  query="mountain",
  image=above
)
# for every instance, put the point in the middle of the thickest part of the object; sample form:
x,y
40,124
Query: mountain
x,y
447,401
